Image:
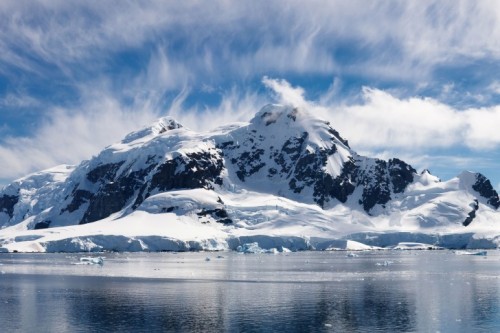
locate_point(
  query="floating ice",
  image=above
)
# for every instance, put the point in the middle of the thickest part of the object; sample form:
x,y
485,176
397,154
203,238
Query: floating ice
x,y
255,248
471,253
385,263
91,261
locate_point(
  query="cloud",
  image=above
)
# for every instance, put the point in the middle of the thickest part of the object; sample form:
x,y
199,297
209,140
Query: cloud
x,y
285,93
482,130
69,136
220,38
386,121
235,106
416,129
18,101
494,87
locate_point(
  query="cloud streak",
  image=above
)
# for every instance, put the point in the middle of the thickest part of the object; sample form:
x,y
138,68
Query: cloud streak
x,y
297,36
83,64
69,137
381,125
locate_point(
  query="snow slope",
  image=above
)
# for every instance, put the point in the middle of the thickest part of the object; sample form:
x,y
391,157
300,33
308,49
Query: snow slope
x,y
285,180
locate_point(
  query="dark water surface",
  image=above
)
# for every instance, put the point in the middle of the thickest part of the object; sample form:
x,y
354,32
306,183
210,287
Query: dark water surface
x,y
406,291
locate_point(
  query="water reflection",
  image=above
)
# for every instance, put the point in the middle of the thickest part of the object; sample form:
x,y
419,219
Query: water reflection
x,y
425,292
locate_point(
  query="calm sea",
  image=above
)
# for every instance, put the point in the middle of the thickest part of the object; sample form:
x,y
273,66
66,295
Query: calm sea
x,y
397,291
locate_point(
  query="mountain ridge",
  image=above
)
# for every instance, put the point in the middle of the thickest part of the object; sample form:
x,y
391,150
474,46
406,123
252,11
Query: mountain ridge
x,y
282,153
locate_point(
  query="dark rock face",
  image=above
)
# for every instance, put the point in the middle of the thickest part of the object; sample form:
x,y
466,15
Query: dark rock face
x,y
80,197
401,174
378,180
248,163
337,135
104,173
195,170
327,187
375,184
484,188
290,153
7,203
171,125
218,214
42,225
113,196
304,167
472,213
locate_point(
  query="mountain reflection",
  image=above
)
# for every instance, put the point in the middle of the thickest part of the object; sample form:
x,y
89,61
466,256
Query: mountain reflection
x,y
239,306
256,294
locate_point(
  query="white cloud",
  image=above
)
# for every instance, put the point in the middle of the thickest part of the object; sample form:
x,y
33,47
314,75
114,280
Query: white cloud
x,y
218,36
494,87
70,136
19,101
285,93
235,106
483,128
382,125
386,121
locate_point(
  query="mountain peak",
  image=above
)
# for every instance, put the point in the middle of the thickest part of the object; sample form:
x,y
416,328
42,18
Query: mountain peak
x,y
160,126
286,120
273,113
286,166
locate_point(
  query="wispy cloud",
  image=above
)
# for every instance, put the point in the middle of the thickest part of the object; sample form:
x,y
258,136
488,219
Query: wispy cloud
x,y
69,136
413,124
95,62
382,125
17,100
297,36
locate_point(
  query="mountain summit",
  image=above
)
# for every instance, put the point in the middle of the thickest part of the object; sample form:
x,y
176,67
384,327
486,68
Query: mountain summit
x,y
284,174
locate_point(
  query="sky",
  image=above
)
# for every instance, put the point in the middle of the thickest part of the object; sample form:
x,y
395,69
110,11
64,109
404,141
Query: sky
x,y
417,80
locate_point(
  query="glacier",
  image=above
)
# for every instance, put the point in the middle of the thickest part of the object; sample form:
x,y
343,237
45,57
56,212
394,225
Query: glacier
x,y
284,180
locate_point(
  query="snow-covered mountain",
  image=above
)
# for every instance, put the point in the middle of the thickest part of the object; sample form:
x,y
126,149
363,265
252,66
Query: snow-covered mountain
x,y
285,179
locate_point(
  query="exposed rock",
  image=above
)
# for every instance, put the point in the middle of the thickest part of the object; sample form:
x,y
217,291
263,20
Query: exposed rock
x,y
218,214
472,213
80,197
113,196
193,170
484,188
168,125
327,187
401,173
7,203
248,163
42,225
283,151
375,181
104,173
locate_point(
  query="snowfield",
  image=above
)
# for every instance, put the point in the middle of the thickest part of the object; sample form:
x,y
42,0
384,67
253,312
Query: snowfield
x,y
285,181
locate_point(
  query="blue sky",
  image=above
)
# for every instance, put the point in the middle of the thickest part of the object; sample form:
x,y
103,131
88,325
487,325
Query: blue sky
x,y
410,79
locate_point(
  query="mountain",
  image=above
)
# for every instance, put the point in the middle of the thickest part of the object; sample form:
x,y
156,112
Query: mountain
x,y
285,179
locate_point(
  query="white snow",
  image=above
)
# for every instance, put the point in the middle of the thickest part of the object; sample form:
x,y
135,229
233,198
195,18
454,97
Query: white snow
x,y
266,215
414,246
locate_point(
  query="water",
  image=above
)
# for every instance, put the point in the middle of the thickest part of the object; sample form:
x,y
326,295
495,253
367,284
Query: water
x,y
414,291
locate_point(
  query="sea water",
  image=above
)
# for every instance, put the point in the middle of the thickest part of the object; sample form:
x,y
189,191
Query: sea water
x,y
384,291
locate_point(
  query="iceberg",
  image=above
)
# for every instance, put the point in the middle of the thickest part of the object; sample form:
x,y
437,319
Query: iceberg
x,y
91,261
471,253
